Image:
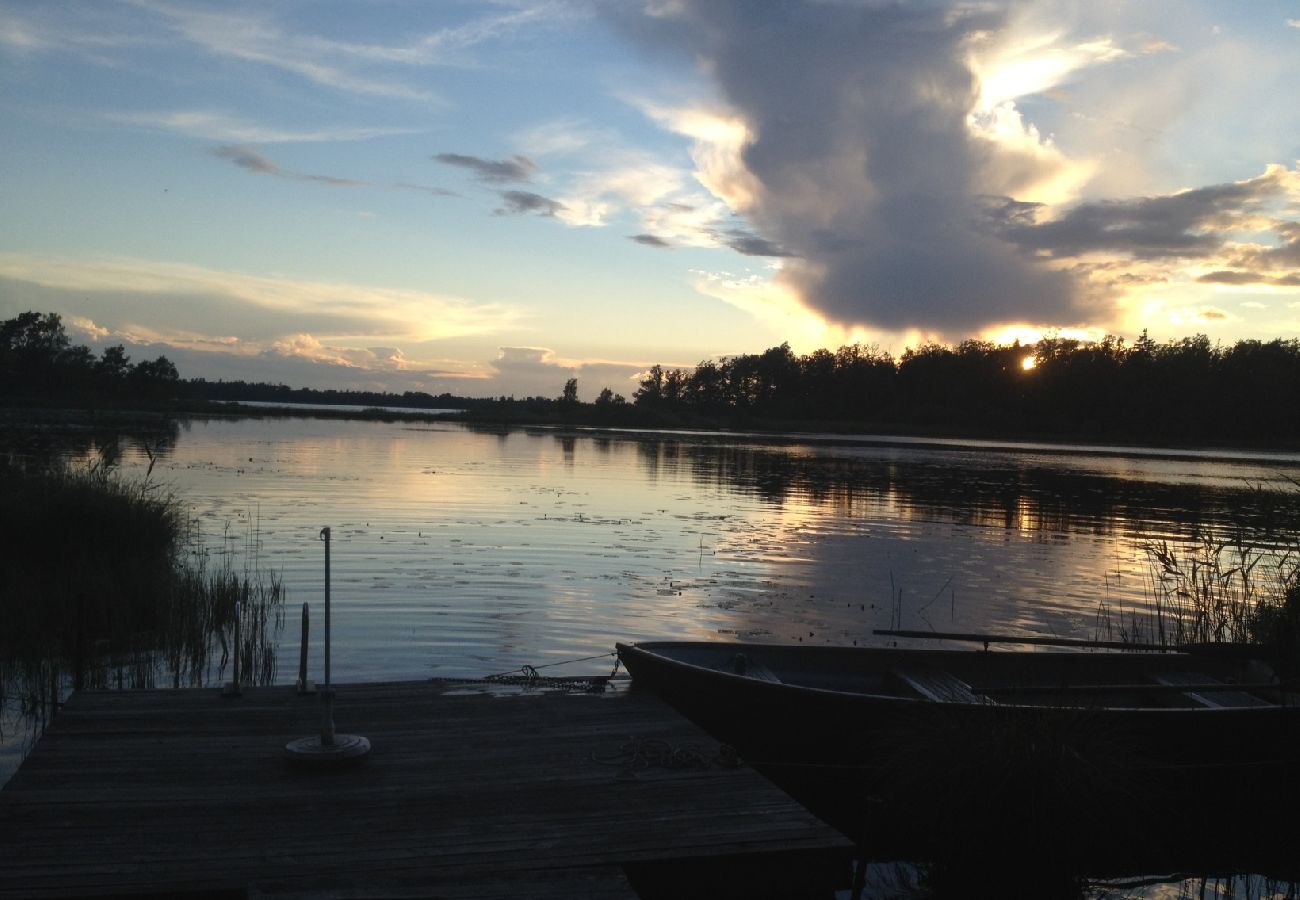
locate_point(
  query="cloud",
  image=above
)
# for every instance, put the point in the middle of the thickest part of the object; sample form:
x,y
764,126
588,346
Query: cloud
x,y
260,39
650,240
252,161
493,171
523,203
425,189
247,159
217,126
752,245
1293,23
539,371
891,163
1189,224
1236,234
124,294
41,31
268,38
855,156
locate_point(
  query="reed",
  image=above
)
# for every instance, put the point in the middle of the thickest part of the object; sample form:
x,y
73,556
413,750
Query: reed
x,y
103,584
1242,587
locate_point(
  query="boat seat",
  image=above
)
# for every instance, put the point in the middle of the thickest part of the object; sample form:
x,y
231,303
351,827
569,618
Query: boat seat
x,y
937,684
1215,698
742,664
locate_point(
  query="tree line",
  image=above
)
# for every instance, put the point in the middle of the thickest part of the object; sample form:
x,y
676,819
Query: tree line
x,y
1188,389
39,363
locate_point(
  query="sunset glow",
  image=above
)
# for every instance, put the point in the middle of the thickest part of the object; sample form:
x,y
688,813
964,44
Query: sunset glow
x,y
493,198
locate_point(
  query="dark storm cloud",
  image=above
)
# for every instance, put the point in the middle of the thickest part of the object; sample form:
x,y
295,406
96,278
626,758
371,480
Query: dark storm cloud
x,y
524,203
650,240
493,171
869,173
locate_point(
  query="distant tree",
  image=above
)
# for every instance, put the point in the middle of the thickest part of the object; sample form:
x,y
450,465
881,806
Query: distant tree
x,y
155,378
570,395
113,363
34,335
651,392
605,397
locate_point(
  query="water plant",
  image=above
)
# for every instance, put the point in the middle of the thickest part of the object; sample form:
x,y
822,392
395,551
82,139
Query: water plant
x,y
1240,587
103,583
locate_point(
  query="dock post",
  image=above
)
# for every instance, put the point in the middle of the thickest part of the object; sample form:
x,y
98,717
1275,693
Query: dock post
x,y
328,748
327,695
304,686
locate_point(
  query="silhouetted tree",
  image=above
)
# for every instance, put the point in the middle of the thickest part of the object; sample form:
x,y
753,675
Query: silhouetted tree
x,y
570,395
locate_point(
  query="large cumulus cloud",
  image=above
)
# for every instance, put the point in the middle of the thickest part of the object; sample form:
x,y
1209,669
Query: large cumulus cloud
x,y
867,171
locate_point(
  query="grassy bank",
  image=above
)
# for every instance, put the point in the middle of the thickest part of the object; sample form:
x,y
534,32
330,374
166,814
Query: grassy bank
x,y
102,584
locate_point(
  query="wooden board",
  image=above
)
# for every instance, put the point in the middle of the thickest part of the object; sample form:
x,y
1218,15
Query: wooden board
x,y
464,790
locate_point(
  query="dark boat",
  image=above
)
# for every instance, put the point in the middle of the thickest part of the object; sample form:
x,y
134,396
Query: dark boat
x,y
969,740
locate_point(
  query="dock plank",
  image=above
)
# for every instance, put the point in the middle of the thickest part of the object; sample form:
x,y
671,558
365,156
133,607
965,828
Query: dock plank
x,y
476,793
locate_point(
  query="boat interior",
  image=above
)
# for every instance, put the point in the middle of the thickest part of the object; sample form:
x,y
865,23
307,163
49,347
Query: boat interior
x,y
1004,677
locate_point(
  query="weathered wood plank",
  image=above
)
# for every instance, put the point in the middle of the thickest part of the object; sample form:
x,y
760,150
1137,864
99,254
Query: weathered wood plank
x,y
473,792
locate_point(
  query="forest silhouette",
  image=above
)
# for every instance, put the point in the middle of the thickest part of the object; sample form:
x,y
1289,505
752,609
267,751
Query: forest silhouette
x,y
1182,391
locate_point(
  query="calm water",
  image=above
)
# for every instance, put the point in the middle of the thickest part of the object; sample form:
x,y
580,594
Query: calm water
x,y
463,553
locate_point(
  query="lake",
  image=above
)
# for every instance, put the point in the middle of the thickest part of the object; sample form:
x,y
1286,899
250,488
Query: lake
x,y
459,551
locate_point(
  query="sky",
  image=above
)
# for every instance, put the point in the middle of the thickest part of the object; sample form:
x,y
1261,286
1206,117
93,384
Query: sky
x,y
488,198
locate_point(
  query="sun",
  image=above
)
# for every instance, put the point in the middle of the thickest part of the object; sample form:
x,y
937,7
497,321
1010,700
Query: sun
x,y
1028,363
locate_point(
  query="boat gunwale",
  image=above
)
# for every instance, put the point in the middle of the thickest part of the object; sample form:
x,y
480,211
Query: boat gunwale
x,y
784,688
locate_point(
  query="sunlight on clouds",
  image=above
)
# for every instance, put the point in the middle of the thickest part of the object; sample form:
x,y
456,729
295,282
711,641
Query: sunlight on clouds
x,y
1029,335
718,142
1028,165
88,328
598,195
1027,64
779,309
389,313
690,223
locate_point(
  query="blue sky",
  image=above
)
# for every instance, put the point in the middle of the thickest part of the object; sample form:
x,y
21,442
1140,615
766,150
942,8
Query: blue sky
x,y
491,197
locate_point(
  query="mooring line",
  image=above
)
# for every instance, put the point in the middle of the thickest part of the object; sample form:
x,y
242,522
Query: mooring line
x,y
531,671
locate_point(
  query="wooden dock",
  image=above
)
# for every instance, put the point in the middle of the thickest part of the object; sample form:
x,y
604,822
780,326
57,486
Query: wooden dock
x,y
467,792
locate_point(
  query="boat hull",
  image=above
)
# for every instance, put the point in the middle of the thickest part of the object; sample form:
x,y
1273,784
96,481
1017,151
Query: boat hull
x,y
946,773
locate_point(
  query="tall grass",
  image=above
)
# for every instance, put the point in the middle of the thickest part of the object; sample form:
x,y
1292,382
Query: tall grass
x,y
102,583
1241,587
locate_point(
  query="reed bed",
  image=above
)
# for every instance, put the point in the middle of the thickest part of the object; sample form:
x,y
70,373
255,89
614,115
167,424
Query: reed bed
x,y
1236,588
103,584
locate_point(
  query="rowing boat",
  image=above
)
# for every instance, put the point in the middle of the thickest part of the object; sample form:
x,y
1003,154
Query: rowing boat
x,y
823,701
1038,729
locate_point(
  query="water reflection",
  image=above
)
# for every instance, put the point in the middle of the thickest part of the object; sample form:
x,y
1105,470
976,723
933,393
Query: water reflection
x,y
466,551
993,489
35,439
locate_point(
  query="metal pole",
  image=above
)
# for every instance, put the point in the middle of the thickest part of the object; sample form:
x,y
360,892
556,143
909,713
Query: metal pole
x,y
330,748
327,712
303,684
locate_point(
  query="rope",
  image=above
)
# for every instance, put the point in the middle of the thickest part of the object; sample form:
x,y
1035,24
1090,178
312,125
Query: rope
x,y
530,672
